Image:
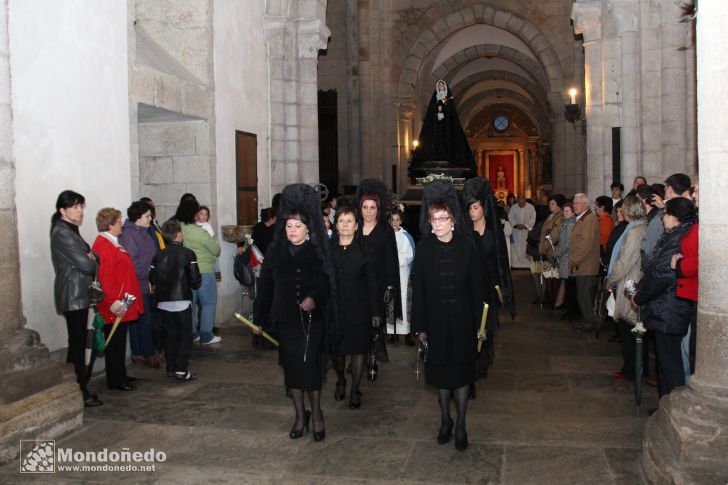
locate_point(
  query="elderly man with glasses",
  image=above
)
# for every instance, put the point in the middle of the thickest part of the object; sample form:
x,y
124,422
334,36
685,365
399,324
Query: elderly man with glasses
x,y
584,259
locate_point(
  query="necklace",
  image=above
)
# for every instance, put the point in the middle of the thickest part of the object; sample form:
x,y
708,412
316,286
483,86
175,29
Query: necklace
x,y
306,328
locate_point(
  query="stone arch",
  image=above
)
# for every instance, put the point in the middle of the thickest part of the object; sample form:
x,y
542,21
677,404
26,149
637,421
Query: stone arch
x,y
464,85
537,93
472,53
473,105
517,114
442,27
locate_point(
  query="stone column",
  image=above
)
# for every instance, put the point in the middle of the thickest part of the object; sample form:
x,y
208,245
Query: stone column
x,y
530,186
586,15
522,172
626,17
481,164
294,35
312,36
687,440
673,88
405,138
39,399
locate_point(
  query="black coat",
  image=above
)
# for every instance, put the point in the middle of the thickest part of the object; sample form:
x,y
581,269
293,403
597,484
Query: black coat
x,y
488,259
74,269
447,298
174,273
383,245
286,280
356,284
662,310
263,235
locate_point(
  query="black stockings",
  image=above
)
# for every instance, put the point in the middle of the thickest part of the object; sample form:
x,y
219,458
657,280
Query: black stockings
x,y
357,371
297,395
314,398
461,403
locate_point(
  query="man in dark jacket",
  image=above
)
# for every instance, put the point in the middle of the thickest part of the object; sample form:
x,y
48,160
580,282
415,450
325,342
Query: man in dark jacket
x,y
173,275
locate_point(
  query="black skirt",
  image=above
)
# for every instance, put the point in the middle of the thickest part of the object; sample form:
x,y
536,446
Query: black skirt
x,y
357,339
297,373
451,376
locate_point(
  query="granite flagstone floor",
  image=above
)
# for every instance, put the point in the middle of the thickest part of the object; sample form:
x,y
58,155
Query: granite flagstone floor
x,y
548,413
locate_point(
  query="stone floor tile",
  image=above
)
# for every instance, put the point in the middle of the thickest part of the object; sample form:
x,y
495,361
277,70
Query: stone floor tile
x,y
555,465
547,383
437,463
586,364
352,457
624,465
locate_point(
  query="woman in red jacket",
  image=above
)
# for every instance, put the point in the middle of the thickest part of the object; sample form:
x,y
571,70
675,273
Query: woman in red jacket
x,y
117,277
685,265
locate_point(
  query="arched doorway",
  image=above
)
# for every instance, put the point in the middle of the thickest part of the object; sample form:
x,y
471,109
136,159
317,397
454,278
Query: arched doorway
x,y
509,149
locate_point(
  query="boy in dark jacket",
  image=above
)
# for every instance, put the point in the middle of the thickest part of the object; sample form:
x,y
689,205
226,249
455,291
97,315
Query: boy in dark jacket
x,y
173,275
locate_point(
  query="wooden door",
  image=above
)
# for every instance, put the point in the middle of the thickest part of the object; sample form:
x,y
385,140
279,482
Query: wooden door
x,y
246,169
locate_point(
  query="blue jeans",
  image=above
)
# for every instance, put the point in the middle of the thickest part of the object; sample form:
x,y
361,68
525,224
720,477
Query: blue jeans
x,y
685,349
204,303
140,333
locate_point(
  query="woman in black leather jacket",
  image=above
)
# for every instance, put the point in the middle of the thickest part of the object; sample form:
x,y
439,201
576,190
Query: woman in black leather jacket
x,y
662,311
75,266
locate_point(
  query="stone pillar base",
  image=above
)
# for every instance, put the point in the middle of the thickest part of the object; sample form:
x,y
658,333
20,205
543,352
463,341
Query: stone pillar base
x,y
686,441
39,398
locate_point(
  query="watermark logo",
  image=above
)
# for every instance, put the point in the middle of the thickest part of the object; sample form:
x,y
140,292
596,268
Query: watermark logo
x,y
42,456
37,456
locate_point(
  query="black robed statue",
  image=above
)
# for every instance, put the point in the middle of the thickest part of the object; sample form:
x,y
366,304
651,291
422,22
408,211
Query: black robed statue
x,y
443,146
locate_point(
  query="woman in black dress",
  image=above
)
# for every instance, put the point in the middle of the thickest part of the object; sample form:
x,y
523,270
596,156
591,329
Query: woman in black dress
x,y
447,304
379,236
358,304
294,291
493,256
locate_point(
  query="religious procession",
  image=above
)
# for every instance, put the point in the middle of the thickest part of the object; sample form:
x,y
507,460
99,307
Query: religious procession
x,y
336,278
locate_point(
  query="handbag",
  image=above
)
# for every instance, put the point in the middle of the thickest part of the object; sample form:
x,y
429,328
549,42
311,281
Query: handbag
x,y
95,292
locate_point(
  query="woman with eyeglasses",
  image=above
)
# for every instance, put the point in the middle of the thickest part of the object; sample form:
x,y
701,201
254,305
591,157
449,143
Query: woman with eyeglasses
x,y
447,304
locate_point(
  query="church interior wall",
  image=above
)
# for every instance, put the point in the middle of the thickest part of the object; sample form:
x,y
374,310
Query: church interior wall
x,y
71,130
241,103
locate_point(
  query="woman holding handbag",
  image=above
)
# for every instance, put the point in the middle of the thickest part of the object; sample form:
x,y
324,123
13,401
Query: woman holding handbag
x,y
624,265
447,304
75,267
117,277
357,300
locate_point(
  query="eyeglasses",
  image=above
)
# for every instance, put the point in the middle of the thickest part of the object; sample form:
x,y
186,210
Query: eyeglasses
x,y
439,220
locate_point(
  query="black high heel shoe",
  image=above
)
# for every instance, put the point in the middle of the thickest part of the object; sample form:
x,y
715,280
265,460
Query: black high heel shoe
x,y
320,435
340,391
297,433
461,442
445,432
355,400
